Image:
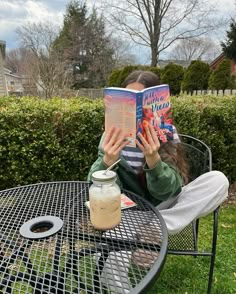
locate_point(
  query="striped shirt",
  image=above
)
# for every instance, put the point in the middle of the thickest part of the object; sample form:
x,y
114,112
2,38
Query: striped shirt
x,y
134,156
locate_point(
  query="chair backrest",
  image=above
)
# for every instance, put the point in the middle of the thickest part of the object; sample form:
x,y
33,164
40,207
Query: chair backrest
x,y
198,154
199,158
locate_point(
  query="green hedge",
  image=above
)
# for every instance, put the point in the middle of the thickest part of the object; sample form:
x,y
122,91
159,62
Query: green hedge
x,y
49,140
211,119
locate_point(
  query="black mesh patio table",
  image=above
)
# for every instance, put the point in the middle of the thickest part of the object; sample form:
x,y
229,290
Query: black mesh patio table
x,y
48,245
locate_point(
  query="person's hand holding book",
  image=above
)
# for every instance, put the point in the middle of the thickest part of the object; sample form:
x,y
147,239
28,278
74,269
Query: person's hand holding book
x,y
149,145
113,143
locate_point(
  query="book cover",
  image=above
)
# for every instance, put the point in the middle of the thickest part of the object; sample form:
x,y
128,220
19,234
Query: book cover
x,y
130,110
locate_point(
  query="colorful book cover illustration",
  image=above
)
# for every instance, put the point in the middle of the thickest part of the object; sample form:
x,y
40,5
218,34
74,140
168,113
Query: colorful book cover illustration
x,y
130,110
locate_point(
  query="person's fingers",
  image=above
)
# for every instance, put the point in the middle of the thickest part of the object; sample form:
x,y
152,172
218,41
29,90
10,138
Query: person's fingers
x,y
119,144
126,142
115,144
111,137
149,134
122,138
108,135
143,140
139,145
154,136
116,137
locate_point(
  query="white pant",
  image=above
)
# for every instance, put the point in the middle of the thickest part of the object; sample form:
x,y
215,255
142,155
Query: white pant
x,y
196,199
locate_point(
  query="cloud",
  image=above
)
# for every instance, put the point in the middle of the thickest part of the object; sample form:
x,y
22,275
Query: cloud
x,y
29,10
54,4
16,13
10,11
39,12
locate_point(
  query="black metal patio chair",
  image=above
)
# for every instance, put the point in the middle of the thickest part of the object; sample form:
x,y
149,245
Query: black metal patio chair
x,y
199,158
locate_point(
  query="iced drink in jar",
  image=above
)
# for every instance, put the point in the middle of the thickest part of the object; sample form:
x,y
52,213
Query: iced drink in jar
x,y
105,200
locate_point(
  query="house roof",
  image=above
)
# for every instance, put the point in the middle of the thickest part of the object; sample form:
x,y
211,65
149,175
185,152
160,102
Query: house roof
x,y
218,59
9,73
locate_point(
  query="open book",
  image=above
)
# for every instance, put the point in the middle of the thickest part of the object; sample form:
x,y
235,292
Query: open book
x,y
130,110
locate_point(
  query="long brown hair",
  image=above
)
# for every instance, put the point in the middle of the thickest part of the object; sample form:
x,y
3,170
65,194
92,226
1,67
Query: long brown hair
x,y
172,153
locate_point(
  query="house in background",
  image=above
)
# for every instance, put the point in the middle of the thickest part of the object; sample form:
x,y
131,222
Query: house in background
x,y
10,84
13,83
3,88
215,63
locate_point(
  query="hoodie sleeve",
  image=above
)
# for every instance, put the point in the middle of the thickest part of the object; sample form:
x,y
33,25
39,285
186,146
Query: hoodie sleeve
x,y
163,181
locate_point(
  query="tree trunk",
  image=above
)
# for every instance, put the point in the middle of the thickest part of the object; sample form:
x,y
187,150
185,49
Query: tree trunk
x,y
154,55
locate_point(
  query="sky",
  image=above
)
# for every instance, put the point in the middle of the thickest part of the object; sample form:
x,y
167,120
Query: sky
x,y
15,13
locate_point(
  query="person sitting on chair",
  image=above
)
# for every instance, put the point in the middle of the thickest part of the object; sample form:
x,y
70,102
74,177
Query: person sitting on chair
x,y
158,171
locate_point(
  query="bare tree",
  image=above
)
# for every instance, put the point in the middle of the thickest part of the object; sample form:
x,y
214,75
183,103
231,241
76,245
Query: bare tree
x,y
21,61
46,66
195,49
122,52
17,59
157,24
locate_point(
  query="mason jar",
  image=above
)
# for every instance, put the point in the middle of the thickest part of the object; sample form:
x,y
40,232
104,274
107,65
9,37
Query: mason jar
x,y
105,200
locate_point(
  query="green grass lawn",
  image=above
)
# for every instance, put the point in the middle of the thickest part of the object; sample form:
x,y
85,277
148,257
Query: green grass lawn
x,y
189,275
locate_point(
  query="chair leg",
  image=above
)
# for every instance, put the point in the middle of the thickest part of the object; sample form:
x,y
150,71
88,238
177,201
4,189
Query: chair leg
x,y
214,242
196,227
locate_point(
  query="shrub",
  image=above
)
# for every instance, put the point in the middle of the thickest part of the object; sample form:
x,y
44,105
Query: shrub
x,y
118,76
57,139
196,76
212,120
173,76
155,70
114,77
48,140
220,79
124,73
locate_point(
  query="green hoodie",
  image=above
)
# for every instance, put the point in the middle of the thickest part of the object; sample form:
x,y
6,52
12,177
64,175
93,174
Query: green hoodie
x,y
163,181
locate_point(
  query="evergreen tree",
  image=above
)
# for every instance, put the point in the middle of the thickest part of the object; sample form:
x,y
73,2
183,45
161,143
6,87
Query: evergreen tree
x,y
220,79
196,76
75,16
229,47
99,51
173,75
85,46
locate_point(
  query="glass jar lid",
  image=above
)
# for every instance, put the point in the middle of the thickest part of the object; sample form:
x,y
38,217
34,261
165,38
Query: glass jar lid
x,y
101,176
